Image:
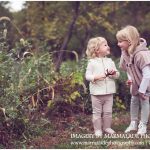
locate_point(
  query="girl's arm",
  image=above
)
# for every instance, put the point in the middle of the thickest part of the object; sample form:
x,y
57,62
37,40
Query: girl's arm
x,y
129,81
145,80
99,77
114,69
89,74
129,77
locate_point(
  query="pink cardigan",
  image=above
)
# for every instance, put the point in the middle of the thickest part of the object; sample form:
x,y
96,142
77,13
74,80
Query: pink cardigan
x,y
134,64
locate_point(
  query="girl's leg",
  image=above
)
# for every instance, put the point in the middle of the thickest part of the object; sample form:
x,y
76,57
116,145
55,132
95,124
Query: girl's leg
x,y
144,116
97,110
134,108
144,111
134,111
107,111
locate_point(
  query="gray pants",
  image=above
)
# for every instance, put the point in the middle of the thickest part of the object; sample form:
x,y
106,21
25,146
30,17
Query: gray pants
x,y
135,105
102,111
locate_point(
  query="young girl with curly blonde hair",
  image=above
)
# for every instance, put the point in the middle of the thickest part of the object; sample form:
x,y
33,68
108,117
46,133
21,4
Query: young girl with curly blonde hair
x,y
101,72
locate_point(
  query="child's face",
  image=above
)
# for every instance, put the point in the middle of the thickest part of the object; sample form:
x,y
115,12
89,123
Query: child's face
x,y
124,45
104,50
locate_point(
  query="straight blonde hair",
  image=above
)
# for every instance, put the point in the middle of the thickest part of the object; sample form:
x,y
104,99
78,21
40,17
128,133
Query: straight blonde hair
x,y
130,34
93,45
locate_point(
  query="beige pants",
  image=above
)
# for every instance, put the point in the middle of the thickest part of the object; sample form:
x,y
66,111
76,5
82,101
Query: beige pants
x,y
102,111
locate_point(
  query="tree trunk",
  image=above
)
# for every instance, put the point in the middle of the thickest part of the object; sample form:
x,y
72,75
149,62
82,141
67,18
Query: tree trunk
x,y
69,34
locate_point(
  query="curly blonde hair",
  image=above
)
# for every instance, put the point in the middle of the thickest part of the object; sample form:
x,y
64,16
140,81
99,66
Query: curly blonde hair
x,y
130,34
93,45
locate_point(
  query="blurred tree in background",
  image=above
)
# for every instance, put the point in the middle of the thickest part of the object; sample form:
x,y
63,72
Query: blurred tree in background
x,y
4,10
50,21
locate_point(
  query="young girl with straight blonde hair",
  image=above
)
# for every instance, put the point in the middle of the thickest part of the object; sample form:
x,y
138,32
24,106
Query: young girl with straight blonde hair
x,y
101,72
135,60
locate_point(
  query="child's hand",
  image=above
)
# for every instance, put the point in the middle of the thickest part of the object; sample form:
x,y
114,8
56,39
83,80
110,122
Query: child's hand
x,y
99,77
110,72
128,82
143,96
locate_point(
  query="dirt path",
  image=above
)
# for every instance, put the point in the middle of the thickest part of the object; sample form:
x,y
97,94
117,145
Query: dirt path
x,y
81,124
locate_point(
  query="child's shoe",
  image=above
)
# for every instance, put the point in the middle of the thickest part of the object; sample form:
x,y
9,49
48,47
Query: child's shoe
x,y
142,128
131,127
110,131
98,133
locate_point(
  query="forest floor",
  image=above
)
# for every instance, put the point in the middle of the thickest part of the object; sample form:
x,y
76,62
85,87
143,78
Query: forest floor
x,y
77,132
